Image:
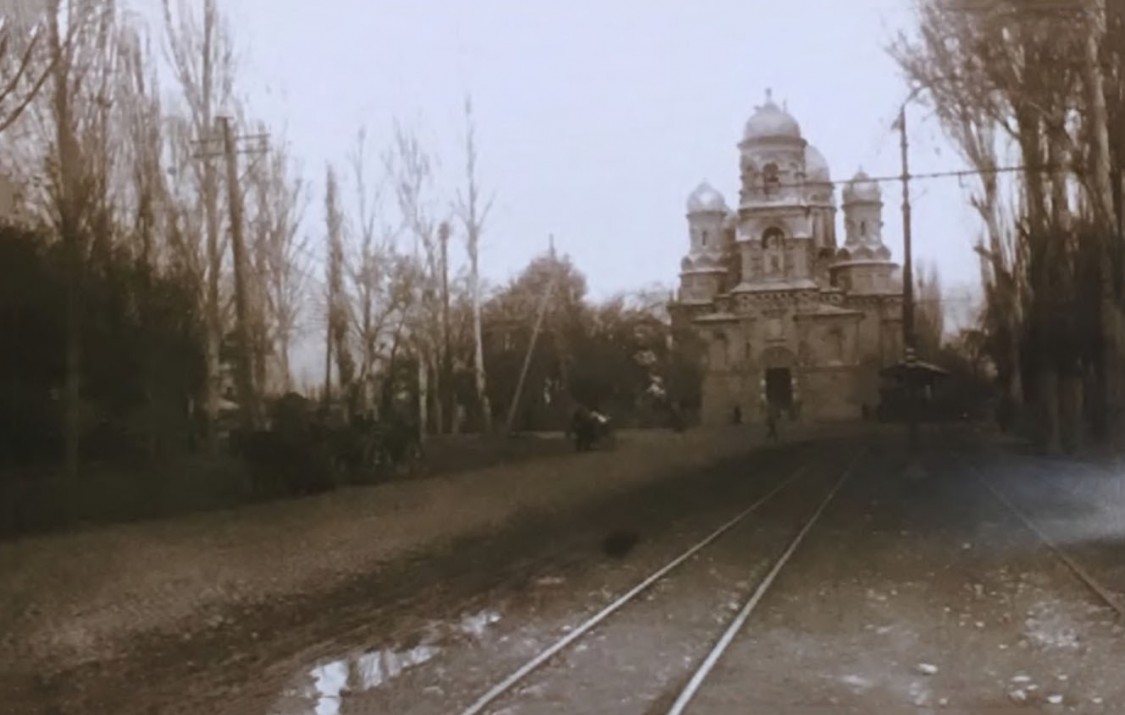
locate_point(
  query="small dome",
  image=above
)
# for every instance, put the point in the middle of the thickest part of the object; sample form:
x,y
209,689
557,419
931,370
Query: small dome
x,y
816,166
862,188
863,253
883,253
687,264
706,199
771,122
707,262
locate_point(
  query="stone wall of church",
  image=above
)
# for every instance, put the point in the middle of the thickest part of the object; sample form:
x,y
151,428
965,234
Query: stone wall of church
x,y
722,391
829,393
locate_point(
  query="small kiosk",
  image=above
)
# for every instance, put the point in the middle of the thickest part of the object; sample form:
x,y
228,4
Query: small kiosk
x,y
903,379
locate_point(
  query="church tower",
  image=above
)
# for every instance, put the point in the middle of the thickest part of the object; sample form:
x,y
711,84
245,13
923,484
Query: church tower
x,y
864,264
703,269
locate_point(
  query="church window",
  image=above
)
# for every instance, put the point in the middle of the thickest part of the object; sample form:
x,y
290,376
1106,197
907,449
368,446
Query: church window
x,y
770,178
863,229
772,238
703,238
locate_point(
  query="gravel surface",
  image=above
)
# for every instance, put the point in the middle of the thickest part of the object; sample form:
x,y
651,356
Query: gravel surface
x,y
76,598
173,602
923,595
918,591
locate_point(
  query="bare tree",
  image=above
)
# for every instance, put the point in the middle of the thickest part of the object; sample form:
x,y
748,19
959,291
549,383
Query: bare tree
x,y
372,273
1006,65
26,62
412,170
281,261
335,299
473,216
74,116
930,316
202,56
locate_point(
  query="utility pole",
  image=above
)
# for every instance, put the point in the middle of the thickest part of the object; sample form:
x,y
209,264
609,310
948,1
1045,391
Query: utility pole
x,y
908,336
530,350
244,376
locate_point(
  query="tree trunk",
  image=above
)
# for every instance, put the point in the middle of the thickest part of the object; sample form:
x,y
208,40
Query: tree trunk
x,y
70,193
479,379
1110,394
423,396
439,394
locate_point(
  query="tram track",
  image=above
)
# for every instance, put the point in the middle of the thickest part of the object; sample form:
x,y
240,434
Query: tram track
x,y
759,568
1077,569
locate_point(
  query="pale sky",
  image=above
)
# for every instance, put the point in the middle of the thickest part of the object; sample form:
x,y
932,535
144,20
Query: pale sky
x,y
596,118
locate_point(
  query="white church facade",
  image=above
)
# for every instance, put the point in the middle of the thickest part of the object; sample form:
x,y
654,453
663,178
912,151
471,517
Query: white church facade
x,y
787,315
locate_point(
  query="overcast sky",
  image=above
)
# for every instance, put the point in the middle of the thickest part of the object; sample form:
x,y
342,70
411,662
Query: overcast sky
x,y
596,118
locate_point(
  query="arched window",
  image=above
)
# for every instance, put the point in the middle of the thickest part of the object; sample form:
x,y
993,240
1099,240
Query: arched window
x,y
773,246
863,229
771,179
703,238
772,238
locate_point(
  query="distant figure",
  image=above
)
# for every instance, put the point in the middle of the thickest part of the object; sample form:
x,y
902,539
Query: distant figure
x,y
771,423
736,416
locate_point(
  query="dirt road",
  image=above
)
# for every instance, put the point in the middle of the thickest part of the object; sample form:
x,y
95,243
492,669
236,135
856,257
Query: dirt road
x,y
915,590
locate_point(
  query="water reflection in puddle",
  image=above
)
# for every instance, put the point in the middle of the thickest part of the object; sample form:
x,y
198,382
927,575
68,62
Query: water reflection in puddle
x,y
321,690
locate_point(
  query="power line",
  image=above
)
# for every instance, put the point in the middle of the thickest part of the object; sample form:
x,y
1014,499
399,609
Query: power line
x,y
960,173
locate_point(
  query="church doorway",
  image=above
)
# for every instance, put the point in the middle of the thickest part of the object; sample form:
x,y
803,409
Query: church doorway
x,y
779,387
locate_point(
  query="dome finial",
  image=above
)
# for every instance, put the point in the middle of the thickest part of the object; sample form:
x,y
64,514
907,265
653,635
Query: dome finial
x,y
769,95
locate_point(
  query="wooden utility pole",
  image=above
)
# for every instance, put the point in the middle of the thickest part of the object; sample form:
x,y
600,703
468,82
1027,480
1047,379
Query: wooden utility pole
x,y
908,334
244,374
530,350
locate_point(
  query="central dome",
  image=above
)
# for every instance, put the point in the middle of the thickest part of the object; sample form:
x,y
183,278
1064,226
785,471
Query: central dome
x,y
771,122
816,166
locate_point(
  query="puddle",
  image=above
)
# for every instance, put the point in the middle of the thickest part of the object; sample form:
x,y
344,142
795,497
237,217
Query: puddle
x,y
322,689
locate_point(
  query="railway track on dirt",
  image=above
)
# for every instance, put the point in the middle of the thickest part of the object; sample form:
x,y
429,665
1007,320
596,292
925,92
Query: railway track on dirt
x,y
1092,583
505,691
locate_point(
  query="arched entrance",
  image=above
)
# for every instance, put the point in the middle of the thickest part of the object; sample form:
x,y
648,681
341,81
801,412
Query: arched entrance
x,y
778,379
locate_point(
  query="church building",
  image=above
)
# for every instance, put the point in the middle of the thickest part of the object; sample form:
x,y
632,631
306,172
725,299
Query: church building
x,y
789,317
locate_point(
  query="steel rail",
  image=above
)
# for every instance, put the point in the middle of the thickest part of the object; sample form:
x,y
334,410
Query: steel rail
x,y
545,655
1076,568
692,688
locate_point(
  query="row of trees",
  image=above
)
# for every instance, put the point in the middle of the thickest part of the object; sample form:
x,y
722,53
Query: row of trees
x,y
1040,84
156,284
